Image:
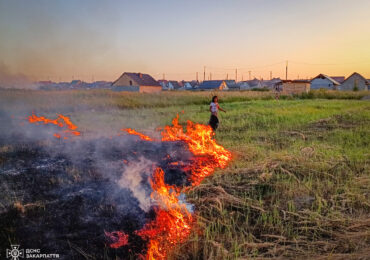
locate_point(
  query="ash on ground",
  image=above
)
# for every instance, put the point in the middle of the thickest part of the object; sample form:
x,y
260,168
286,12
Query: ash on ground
x,y
61,196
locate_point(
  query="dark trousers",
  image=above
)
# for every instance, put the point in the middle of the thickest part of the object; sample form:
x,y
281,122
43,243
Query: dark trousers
x,y
213,122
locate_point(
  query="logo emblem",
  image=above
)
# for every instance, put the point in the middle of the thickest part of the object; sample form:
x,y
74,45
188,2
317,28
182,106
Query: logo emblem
x,y
14,253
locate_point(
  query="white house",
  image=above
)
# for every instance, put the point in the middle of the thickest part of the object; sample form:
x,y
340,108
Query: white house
x,y
173,85
325,82
243,85
254,83
189,85
163,83
355,82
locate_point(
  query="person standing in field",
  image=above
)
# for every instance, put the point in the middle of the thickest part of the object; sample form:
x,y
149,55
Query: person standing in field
x,y
213,108
277,92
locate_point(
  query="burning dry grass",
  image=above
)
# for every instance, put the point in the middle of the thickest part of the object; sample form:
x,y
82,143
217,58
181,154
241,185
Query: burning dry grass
x,y
298,186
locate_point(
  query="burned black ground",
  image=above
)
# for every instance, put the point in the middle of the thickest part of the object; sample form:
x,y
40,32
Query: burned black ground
x,y
61,196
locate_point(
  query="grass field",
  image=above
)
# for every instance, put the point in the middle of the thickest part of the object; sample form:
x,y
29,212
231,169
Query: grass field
x,y
299,182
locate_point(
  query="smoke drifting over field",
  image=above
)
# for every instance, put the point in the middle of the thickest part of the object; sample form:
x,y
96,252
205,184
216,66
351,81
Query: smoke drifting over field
x,y
11,80
102,195
85,187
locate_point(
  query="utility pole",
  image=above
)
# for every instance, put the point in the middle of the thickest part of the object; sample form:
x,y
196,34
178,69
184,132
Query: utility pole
x,y
249,72
197,76
210,76
270,75
204,73
227,76
236,75
242,78
286,71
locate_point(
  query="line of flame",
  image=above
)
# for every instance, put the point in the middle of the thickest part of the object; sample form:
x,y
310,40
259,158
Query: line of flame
x,y
61,121
134,132
173,222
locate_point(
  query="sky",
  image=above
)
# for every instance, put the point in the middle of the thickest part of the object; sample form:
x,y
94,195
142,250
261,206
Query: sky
x,y
61,40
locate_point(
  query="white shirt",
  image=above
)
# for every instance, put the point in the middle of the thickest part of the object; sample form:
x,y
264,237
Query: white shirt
x,y
214,107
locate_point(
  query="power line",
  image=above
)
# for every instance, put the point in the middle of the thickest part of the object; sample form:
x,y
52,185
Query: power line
x,y
329,64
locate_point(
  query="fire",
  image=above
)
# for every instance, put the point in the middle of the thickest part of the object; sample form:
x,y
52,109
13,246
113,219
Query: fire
x,y
133,132
201,142
61,121
119,238
173,221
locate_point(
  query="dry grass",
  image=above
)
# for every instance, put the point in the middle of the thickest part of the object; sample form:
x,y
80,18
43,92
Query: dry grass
x,y
294,203
298,186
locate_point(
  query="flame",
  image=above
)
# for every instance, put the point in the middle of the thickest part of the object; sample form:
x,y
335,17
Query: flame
x,y
61,121
119,238
133,132
200,140
173,221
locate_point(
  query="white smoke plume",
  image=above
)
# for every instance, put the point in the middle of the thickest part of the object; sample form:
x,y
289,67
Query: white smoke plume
x,y
135,174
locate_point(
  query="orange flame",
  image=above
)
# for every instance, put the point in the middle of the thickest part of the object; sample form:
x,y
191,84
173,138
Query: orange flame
x,y
201,142
133,132
61,121
173,221
119,238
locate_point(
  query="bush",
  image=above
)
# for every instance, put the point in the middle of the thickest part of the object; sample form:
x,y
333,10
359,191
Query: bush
x,y
260,89
309,95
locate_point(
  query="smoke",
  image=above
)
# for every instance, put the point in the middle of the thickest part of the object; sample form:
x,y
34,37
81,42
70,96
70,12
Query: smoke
x,y
135,174
16,81
70,191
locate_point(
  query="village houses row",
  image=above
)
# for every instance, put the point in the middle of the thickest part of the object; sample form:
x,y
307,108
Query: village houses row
x,y
139,82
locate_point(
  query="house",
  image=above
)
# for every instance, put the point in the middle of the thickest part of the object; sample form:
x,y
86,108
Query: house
x,y
243,85
182,83
254,83
231,84
289,87
338,79
173,85
189,85
270,84
136,82
323,81
163,83
355,82
213,85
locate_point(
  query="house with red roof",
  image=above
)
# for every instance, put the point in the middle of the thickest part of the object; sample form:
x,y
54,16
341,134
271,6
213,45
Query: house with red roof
x,y
136,82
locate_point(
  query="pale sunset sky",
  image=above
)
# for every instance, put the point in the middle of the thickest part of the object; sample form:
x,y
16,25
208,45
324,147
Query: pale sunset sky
x,y
98,40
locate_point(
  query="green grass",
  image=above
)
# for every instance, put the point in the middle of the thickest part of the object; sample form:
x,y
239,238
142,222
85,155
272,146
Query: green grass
x,y
298,185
